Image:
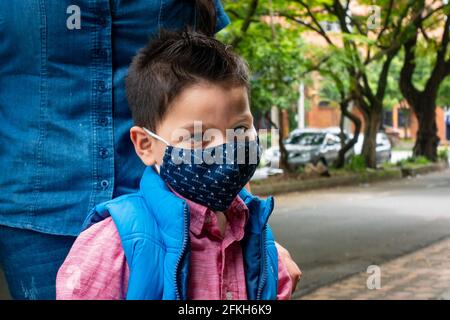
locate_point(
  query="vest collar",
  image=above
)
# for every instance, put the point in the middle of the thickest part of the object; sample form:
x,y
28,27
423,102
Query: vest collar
x,y
259,209
167,208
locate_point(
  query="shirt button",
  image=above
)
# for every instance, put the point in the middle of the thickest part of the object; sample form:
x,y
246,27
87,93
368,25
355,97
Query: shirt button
x,y
229,295
103,153
100,53
102,21
103,121
104,184
101,86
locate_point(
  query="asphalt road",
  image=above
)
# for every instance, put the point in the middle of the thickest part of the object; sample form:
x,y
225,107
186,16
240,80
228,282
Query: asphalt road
x,y
334,233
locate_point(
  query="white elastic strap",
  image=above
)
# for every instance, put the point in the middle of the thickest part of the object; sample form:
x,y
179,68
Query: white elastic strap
x,y
155,136
255,132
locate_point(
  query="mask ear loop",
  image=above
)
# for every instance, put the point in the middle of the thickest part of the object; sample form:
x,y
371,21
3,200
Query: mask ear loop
x,y
155,136
151,134
255,132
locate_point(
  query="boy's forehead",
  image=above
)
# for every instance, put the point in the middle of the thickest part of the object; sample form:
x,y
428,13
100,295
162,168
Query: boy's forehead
x,y
213,105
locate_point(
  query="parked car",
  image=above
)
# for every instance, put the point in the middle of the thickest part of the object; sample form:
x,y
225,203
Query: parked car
x,y
308,146
383,147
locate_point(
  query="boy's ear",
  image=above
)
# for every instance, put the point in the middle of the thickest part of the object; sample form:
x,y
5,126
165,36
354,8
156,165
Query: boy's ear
x,y
143,145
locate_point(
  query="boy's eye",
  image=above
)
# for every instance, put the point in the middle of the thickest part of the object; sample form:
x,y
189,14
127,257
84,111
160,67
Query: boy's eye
x,y
243,132
240,130
195,140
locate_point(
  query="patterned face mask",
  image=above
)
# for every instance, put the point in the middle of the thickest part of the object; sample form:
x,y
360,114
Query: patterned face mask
x,y
212,176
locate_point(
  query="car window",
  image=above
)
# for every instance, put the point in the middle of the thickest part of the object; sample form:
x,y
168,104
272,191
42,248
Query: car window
x,y
295,138
311,139
332,140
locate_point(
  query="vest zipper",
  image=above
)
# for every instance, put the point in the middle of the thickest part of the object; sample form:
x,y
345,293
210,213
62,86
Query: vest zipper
x,y
183,249
264,271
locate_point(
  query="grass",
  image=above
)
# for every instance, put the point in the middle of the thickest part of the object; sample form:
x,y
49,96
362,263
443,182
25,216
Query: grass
x,y
356,164
443,154
413,162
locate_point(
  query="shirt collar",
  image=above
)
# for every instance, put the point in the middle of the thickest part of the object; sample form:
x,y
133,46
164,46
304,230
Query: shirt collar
x,y
237,216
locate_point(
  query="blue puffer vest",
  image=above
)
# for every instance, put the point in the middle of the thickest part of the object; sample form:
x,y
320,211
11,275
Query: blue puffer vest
x,y
153,225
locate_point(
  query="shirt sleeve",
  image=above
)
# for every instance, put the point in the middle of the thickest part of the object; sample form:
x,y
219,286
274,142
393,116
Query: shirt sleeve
x,y
284,282
222,18
96,267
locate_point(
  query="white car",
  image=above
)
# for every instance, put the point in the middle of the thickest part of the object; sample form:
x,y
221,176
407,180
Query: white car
x,y
383,147
308,146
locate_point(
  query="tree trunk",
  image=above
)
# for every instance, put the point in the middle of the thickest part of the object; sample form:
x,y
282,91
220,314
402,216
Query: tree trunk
x,y
423,103
284,164
283,152
345,147
427,139
372,125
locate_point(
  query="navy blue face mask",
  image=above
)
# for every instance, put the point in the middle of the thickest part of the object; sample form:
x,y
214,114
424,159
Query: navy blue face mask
x,y
212,176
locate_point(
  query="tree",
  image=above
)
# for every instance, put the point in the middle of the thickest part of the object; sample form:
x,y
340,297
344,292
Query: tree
x,y
364,44
423,100
368,42
272,54
345,98
336,86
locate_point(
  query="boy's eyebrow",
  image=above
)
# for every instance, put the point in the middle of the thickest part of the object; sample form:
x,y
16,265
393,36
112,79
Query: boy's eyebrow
x,y
245,116
190,126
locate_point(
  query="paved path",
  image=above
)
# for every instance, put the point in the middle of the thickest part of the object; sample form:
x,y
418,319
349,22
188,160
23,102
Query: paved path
x,y
423,274
335,233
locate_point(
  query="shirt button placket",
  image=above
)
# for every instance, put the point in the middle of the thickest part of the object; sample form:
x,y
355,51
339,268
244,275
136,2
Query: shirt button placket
x,y
103,106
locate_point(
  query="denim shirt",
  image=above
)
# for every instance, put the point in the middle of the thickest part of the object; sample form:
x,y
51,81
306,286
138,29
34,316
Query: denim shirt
x,y
64,119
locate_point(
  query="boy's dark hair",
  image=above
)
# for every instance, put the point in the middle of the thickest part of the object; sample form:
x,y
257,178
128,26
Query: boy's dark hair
x,y
172,62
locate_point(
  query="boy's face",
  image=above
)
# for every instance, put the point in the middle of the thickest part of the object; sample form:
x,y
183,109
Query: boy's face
x,y
207,107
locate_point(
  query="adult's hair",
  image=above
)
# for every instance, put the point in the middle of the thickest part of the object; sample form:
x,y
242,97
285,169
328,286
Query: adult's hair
x,y
205,17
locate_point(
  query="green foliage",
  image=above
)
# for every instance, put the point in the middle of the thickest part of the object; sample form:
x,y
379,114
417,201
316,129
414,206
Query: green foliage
x,y
274,56
276,70
413,161
356,164
300,170
349,62
393,96
444,93
443,154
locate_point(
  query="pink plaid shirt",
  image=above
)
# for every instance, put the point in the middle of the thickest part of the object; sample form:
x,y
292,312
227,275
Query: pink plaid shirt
x,y
96,266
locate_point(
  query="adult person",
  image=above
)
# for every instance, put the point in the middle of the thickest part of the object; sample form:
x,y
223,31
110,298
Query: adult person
x,y
64,120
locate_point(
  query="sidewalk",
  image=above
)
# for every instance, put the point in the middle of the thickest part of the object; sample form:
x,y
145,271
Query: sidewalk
x,y
280,184
423,274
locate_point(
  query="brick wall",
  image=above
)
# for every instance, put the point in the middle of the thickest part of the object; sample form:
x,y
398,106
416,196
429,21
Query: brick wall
x,y
323,117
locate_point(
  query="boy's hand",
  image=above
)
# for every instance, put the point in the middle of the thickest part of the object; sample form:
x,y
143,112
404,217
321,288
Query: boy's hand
x,y
294,271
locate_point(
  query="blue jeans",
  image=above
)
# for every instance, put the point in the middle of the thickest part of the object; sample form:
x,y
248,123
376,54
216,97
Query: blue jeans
x,y
30,261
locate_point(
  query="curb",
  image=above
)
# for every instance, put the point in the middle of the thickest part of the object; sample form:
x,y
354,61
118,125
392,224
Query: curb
x,y
433,167
332,182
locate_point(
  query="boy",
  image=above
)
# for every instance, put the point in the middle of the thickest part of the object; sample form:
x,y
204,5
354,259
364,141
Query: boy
x,y
192,231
